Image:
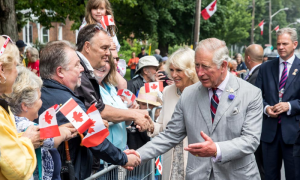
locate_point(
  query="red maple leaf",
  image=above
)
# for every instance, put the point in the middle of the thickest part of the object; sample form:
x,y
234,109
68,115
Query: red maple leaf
x,y
127,93
91,129
154,86
48,117
212,7
159,167
111,20
77,116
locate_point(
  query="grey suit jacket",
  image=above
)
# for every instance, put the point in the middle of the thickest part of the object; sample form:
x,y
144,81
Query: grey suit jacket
x,y
236,129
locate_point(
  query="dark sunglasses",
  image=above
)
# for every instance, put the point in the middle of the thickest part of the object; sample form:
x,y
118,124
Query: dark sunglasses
x,y
8,39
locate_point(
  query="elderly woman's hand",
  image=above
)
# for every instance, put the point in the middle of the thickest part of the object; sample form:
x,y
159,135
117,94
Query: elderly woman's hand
x,y
67,133
33,133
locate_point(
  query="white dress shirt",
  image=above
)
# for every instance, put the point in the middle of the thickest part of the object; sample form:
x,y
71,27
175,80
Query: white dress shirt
x,y
220,90
281,67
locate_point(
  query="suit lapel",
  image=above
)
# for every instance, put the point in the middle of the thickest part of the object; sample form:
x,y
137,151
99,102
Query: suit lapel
x,y
204,106
225,102
275,72
291,77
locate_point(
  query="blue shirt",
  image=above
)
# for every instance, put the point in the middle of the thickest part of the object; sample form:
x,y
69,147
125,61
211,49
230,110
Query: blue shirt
x,y
117,132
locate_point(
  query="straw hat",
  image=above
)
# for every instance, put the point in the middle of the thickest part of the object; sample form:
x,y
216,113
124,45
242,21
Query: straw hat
x,y
146,61
152,97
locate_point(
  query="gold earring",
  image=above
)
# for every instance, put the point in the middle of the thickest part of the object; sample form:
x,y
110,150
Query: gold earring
x,y
4,80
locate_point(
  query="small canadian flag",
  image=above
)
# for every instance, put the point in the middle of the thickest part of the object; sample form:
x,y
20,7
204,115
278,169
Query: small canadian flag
x,y
48,124
154,87
158,165
261,25
107,21
127,93
76,115
276,28
209,10
97,132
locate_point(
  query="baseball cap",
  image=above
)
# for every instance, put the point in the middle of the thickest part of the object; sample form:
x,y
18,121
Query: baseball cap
x,y
146,61
20,44
142,48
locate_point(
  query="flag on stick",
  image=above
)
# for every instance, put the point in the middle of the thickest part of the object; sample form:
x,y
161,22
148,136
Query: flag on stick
x,y
127,93
261,25
97,132
276,28
209,10
158,166
76,115
154,87
108,20
48,124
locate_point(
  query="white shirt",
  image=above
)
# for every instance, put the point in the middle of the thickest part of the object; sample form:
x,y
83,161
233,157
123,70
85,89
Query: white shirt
x,y
220,90
251,71
281,67
86,63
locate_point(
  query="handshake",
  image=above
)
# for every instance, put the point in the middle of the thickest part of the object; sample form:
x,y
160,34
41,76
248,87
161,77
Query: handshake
x,y
133,159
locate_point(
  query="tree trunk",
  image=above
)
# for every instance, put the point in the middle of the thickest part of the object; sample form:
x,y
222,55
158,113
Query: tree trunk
x,y
164,48
8,21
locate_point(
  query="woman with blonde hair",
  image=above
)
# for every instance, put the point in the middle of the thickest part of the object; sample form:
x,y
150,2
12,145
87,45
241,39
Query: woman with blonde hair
x,y
25,102
17,160
32,54
180,67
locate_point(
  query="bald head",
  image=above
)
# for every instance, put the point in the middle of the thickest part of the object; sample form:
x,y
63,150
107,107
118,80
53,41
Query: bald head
x,y
256,53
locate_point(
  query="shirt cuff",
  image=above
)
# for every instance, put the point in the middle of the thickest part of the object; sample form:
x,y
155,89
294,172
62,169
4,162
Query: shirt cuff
x,y
265,110
218,158
290,109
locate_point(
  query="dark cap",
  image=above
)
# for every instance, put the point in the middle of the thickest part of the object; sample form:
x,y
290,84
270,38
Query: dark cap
x,y
142,48
20,44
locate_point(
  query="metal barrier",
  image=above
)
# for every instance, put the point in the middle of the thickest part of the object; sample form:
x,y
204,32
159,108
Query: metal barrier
x,y
142,172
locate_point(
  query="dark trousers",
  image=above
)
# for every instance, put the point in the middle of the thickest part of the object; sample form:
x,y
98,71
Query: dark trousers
x,y
259,161
274,153
132,71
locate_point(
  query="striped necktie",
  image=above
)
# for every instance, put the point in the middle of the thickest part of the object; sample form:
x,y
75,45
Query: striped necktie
x,y
283,76
214,102
282,83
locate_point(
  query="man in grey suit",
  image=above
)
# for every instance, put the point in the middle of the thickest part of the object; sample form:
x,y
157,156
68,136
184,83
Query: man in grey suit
x,y
225,109
253,59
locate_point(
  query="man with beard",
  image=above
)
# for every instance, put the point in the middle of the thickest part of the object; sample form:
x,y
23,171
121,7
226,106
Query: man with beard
x,y
145,73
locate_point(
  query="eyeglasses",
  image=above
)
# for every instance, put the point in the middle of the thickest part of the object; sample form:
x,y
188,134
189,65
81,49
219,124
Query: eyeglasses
x,y
5,43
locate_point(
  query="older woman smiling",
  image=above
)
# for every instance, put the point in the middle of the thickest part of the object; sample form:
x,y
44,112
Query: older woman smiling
x,y
180,67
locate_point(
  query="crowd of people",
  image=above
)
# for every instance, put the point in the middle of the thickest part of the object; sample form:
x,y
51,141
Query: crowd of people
x,y
218,117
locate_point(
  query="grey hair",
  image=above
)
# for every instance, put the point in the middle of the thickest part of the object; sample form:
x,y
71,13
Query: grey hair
x,y
184,59
25,90
217,47
54,55
291,31
34,54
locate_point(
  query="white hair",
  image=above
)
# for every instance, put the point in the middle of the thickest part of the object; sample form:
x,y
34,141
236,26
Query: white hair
x,y
291,31
217,47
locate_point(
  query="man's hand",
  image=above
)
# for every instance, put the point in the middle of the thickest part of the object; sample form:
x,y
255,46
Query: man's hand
x,y
150,127
205,149
33,133
67,133
143,122
281,107
270,112
133,159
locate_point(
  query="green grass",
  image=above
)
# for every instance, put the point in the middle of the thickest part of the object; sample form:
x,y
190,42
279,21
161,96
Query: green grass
x,y
127,75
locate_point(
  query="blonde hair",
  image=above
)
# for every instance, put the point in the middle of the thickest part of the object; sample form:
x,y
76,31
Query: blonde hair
x,y
25,90
34,54
94,4
184,59
10,55
111,76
